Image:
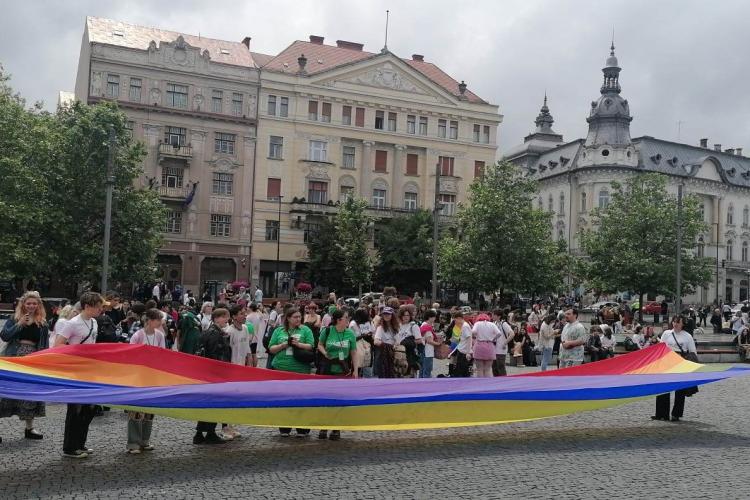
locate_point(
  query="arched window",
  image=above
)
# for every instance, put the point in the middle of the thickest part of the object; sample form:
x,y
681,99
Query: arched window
x,y
562,202
746,216
603,198
541,203
560,234
703,211
730,250
347,188
701,247
583,201
411,197
379,194
730,214
744,251
549,203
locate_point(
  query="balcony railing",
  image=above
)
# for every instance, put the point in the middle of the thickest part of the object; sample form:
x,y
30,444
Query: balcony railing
x,y
174,192
300,205
175,152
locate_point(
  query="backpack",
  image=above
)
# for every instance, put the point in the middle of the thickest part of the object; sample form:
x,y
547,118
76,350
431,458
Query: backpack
x,y
629,344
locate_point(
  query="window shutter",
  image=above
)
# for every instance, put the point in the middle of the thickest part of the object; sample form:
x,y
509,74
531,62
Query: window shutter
x,y
274,188
478,168
381,160
412,164
360,118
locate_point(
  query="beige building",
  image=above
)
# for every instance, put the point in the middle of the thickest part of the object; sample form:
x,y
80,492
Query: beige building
x,y
192,102
336,121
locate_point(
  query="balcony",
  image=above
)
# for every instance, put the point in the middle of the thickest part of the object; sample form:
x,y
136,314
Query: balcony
x,y
168,151
176,193
302,206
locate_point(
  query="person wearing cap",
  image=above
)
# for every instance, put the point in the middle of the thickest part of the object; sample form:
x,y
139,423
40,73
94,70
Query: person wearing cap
x,y
485,334
464,347
326,321
385,339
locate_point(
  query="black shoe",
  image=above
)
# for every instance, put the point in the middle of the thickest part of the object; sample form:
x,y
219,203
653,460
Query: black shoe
x,y
335,435
198,438
656,417
323,435
32,434
675,419
213,438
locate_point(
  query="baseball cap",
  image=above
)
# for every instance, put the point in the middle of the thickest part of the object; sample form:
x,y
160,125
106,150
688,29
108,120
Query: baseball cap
x,y
387,310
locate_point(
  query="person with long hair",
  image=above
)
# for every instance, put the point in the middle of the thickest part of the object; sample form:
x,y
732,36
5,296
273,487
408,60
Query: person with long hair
x,y
285,339
361,325
26,332
682,343
385,339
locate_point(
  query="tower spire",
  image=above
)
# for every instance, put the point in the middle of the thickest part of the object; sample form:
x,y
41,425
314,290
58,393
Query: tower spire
x,y
385,44
544,119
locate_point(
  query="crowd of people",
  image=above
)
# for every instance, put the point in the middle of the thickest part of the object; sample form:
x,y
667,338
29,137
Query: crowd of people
x,y
382,338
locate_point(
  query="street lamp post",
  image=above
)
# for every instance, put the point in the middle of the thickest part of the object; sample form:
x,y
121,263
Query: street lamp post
x,y
678,285
110,182
717,263
278,253
435,230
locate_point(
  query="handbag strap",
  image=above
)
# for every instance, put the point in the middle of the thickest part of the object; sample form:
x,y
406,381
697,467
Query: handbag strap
x,y
682,353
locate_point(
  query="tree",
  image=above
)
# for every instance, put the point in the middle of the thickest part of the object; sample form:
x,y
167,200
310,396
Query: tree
x,y
53,194
404,257
502,243
325,262
635,245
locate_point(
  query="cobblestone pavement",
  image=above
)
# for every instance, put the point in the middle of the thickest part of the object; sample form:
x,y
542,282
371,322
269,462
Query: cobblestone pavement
x,y
615,453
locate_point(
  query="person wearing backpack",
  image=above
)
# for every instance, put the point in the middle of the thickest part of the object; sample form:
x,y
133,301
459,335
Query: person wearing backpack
x,y
410,337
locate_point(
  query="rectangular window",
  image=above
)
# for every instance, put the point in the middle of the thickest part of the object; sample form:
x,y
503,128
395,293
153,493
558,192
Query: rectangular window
x,y
236,104
378,198
345,193
477,132
391,122
379,119
325,113
176,136
224,143
486,135
312,110
177,95
478,169
135,89
411,124
441,128
349,157
284,107
113,86
447,204
318,151
272,105
310,231
221,225
446,165
454,130
217,101
412,164
276,147
317,192
410,201
223,183
346,115
359,119
171,177
381,160
422,125
173,222
129,127
272,230
273,189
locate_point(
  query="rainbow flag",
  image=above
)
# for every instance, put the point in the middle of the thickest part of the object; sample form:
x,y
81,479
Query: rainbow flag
x,y
164,382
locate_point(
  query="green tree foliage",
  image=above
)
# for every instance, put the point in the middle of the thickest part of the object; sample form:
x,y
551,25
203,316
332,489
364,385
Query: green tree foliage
x,y
502,243
404,257
634,245
325,261
52,196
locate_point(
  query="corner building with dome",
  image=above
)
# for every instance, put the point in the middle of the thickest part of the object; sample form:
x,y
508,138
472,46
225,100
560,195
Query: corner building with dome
x,y
575,176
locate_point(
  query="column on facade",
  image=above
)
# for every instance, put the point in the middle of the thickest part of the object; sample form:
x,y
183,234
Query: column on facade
x,y
367,168
245,200
397,176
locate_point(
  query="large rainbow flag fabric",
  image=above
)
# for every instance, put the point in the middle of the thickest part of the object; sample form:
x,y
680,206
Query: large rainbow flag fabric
x,y
178,385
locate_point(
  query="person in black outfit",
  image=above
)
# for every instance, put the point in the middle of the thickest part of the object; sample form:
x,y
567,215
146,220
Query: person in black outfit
x,y
213,345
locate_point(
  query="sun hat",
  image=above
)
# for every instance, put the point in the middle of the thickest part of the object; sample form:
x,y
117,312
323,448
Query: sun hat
x,y
387,310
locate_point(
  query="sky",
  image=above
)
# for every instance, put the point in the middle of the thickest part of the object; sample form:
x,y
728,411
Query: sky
x,y
684,66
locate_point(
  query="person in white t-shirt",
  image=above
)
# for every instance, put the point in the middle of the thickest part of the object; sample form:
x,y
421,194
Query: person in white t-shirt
x,y
485,334
243,345
430,340
205,315
501,343
80,330
682,342
156,293
547,336
255,319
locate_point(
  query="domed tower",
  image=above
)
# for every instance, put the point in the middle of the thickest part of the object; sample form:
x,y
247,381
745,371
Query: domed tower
x,y
608,141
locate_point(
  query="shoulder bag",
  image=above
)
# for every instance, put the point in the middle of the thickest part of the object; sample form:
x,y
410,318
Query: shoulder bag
x,y
690,356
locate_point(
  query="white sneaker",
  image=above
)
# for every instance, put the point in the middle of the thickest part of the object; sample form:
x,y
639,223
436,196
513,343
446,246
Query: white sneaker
x,y
88,451
76,454
135,451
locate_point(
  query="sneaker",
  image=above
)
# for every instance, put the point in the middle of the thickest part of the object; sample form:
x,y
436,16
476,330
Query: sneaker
x,y
235,432
87,451
198,438
148,447
285,434
335,435
32,434
75,454
213,438
323,435
134,451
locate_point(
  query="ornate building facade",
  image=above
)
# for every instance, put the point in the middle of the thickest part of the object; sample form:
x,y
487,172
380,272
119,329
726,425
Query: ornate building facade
x,y
574,177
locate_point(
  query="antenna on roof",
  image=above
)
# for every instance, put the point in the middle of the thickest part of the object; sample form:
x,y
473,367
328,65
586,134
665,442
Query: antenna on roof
x,y
385,45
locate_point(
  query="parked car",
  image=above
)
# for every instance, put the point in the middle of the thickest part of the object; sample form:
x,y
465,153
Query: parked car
x,y
594,308
652,307
374,295
352,302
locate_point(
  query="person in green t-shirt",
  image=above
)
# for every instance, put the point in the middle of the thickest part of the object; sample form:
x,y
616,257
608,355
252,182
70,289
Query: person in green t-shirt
x,y
188,332
292,334
339,345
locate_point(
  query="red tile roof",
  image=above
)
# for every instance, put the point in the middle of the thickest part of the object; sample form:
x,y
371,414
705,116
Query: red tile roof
x,y
261,59
138,37
322,58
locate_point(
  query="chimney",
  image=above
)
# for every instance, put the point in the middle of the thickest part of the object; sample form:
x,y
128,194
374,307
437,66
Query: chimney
x,y
317,40
302,61
738,151
729,151
246,42
343,44
417,57
704,143
717,147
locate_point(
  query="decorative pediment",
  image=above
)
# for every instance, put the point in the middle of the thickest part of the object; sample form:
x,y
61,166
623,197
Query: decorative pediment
x,y
178,53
